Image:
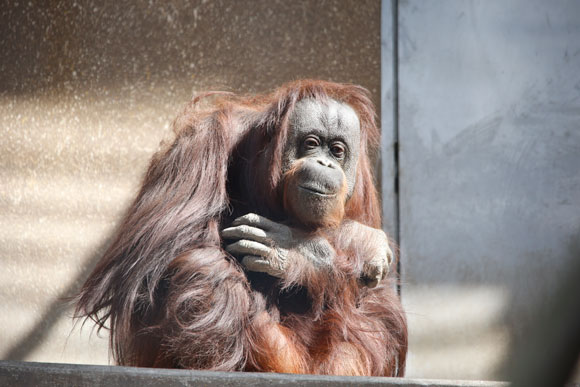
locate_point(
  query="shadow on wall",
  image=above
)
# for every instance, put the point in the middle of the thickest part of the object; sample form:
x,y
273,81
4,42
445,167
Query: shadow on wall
x,y
549,348
226,44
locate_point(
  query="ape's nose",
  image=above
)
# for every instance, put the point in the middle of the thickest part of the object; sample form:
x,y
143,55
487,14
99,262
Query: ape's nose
x,y
325,162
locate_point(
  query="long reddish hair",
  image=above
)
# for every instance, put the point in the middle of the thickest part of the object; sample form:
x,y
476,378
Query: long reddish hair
x,y
154,282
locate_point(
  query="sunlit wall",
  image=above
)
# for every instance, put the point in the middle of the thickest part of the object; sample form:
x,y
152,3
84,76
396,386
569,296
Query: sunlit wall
x,y
87,92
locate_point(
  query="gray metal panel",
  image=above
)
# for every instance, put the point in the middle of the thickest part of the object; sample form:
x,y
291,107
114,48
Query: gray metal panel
x,y
388,133
489,97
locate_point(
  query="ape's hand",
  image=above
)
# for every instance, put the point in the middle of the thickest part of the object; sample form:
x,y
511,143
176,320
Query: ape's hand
x,y
380,256
269,247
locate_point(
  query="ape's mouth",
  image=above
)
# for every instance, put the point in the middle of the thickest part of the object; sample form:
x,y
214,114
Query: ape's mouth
x,y
317,191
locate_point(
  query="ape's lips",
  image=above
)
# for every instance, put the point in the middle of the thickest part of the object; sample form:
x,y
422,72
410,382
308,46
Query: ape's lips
x,y
317,191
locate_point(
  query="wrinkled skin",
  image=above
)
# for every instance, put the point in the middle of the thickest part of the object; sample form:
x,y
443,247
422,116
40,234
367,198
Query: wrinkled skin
x,y
320,162
323,147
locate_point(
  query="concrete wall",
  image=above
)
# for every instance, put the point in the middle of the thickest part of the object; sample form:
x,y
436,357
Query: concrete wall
x,y
56,375
87,92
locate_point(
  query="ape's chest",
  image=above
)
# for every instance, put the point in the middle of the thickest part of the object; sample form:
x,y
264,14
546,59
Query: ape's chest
x,y
293,301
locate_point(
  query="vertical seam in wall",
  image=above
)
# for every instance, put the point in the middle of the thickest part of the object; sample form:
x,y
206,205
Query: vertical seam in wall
x,y
395,37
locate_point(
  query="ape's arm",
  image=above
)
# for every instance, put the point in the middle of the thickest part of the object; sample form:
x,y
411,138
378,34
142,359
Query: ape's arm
x,y
291,254
328,264
371,244
276,249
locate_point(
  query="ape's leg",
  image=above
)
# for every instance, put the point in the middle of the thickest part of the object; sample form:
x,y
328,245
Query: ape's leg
x,y
276,348
340,358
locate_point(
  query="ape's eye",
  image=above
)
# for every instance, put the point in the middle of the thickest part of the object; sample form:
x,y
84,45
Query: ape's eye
x,y
338,150
311,143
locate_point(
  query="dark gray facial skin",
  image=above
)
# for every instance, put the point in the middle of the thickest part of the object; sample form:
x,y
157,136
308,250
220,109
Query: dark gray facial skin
x,y
323,140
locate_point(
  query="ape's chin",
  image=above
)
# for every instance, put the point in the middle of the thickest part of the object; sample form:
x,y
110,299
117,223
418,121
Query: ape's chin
x,y
314,209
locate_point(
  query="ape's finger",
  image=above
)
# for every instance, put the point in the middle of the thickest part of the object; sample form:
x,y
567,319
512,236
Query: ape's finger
x,y
253,263
259,264
390,255
372,282
256,220
246,232
247,247
373,274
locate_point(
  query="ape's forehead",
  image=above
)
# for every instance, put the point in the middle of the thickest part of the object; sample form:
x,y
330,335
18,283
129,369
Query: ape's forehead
x,y
331,118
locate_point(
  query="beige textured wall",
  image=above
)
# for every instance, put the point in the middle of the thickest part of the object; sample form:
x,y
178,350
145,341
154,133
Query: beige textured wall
x,y
87,92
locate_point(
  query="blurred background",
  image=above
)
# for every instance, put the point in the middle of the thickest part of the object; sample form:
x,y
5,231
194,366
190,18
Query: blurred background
x,y
480,163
